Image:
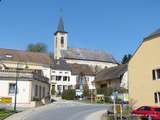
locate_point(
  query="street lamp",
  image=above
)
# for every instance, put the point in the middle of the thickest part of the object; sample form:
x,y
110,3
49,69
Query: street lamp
x,y
15,96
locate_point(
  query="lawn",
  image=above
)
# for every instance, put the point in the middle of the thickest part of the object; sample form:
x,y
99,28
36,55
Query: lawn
x,y
4,113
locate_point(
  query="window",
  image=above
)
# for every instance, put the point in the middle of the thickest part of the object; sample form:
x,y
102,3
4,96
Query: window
x,y
36,90
156,74
157,97
58,78
39,91
62,41
12,88
53,71
66,72
65,78
43,91
59,87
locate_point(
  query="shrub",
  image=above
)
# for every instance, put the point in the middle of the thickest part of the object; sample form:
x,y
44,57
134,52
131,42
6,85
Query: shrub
x,y
53,92
108,100
36,98
68,94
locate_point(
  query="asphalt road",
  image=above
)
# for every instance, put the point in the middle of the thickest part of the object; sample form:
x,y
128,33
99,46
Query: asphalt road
x,y
67,111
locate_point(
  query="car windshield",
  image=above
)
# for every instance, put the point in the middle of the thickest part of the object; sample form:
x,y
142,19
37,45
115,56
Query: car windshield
x,y
157,109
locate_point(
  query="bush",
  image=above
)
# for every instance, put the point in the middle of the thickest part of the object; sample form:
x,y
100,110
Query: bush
x,y
53,92
108,100
68,94
36,99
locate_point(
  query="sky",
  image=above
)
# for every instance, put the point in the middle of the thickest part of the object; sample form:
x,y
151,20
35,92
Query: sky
x,y
115,26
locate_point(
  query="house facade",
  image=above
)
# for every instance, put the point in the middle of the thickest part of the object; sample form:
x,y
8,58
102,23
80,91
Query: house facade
x,y
144,72
66,76
61,77
30,85
114,77
32,71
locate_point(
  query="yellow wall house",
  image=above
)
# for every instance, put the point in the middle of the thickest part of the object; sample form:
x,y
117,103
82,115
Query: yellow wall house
x,y
144,72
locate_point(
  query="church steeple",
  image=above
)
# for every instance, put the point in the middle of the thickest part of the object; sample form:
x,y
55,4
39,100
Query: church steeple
x,y
60,28
60,42
60,25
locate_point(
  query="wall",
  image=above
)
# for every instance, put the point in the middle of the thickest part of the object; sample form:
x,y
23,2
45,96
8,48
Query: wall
x,y
42,84
92,63
62,73
124,80
57,44
141,83
23,95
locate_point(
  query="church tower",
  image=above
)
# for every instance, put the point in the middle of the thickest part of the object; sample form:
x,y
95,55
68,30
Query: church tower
x,y
60,40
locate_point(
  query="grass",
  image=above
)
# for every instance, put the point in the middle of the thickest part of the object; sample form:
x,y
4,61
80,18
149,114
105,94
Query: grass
x,y
5,113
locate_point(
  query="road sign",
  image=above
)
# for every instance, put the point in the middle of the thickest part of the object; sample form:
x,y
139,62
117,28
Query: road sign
x,y
5,100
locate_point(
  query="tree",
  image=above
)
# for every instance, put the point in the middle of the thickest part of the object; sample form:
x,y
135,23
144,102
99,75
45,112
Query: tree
x,y
126,58
38,47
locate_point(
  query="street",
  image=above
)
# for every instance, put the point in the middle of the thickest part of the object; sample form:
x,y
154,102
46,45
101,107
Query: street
x,y
67,111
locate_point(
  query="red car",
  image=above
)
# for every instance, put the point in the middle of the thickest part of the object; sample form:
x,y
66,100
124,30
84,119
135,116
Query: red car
x,y
146,111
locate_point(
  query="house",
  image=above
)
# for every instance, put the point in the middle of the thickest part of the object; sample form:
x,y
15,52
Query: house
x,y
144,72
61,77
25,60
83,74
31,85
114,77
31,70
66,76
95,58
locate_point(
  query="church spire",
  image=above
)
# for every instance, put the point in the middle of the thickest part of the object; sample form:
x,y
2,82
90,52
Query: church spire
x,y
61,25
60,28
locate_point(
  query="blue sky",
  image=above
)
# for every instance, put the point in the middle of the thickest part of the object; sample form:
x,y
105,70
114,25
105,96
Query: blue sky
x,y
116,26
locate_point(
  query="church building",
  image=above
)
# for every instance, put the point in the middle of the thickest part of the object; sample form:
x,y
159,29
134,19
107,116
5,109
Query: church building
x,y
70,63
94,58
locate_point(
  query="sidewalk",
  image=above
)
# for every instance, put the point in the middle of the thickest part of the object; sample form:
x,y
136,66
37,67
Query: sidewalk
x,y
96,115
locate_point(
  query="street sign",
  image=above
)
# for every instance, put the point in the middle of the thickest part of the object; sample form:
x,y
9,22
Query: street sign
x,y
5,100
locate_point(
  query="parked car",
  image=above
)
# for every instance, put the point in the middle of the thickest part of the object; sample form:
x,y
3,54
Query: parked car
x,y
148,111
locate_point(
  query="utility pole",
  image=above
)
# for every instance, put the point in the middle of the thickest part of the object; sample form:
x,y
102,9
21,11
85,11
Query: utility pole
x,y
16,88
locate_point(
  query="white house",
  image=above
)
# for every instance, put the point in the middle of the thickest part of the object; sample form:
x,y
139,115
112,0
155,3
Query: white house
x,y
30,85
67,76
61,77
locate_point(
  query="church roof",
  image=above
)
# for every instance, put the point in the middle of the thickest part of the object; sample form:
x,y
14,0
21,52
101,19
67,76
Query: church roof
x,y
86,54
152,35
24,56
